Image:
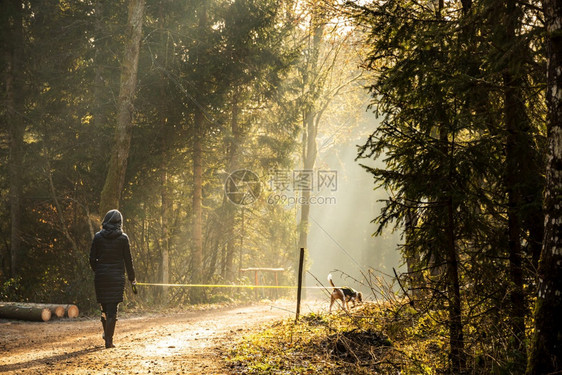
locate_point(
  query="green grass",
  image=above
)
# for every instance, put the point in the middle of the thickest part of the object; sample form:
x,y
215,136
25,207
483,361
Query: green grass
x,y
374,338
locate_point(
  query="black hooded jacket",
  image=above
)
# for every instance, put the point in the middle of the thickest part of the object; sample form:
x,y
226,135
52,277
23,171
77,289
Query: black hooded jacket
x,y
110,255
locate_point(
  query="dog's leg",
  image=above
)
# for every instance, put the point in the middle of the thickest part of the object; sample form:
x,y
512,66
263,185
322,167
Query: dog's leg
x,y
332,299
343,300
337,294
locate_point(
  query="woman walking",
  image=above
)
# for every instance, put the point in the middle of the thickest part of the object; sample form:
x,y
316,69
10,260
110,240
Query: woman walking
x,y
110,256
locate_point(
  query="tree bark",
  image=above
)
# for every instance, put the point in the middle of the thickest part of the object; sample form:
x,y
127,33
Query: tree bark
x,y
58,208
310,152
456,339
456,336
23,312
13,81
166,139
233,165
115,179
545,355
56,309
165,215
197,221
518,150
415,275
99,112
310,123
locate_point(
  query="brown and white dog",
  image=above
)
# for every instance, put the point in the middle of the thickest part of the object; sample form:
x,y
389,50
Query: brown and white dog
x,y
345,295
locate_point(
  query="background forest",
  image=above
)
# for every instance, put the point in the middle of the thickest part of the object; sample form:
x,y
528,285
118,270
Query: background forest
x,y
149,105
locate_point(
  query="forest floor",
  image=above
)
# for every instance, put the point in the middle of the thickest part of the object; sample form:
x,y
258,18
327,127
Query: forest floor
x,y
192,342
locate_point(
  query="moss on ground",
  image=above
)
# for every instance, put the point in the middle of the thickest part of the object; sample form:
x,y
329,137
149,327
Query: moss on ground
x,y
374,338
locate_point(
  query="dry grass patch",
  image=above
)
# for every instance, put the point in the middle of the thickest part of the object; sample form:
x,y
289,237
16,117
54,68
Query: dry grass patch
x,y
374,338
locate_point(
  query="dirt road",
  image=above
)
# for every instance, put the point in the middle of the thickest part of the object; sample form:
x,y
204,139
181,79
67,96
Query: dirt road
x,y
180,343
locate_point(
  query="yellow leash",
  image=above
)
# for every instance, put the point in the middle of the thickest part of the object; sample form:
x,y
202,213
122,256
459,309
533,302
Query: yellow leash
x,y
230,286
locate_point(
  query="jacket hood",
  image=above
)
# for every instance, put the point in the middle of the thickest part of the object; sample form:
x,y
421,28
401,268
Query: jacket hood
x,y
112,223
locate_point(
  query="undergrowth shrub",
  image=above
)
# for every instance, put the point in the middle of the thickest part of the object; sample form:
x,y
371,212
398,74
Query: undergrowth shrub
x,y
374,338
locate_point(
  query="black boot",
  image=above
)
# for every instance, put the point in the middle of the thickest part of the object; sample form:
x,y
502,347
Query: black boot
x,y
103,325
109,330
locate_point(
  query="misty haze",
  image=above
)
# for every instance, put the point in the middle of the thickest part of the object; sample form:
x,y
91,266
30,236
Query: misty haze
x,y
281,187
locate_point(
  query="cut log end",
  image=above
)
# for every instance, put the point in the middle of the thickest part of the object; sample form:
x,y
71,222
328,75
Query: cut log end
x,y
24,312
59,311
46,315
72,311
36,311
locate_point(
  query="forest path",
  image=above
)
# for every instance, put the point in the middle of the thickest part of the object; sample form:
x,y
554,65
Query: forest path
x,y
178,343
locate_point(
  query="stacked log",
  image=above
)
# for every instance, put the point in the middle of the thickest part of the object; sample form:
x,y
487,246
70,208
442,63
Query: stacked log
x,y
36,311
56,310
14,311
71,311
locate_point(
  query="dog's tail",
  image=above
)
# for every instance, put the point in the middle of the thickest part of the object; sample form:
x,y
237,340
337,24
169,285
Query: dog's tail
x,y
330,280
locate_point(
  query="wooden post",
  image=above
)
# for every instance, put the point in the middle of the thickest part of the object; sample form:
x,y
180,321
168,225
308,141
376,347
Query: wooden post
x,y
256,277
299,288
276,284
256,283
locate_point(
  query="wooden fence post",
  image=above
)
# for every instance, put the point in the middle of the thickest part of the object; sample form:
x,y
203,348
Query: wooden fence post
x,y
299,288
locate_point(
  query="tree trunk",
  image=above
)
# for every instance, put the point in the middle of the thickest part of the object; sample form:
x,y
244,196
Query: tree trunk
x,y
166,137
101,47
166,210
519,152
57,310
456,336
14,81
514,151
545,355
197,221
309,159
456,339
233,165
310,126
115,179
415,275
230,249
23,312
